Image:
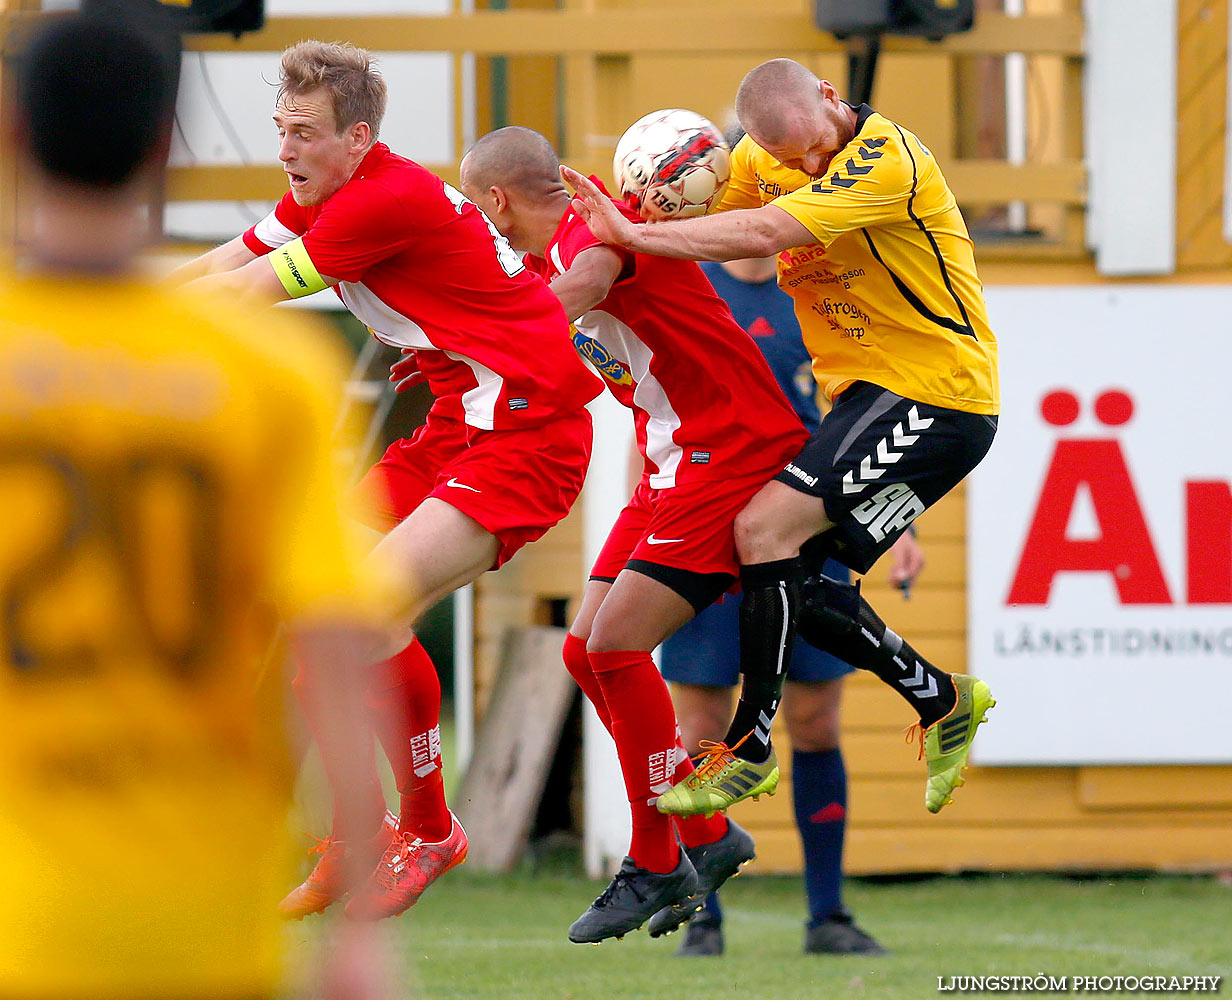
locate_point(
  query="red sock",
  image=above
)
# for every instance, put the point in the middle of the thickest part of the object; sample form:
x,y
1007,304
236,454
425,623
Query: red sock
x,y
694,830
339,768
644,728
577,662
405,701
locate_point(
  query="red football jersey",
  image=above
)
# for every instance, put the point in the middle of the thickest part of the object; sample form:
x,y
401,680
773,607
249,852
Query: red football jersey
x,y
705,403
422,267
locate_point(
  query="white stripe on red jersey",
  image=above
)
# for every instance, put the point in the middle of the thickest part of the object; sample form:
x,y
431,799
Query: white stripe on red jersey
x,y
658,431
272,233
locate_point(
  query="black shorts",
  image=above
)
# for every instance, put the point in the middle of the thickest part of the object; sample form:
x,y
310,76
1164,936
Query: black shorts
x,y
878,461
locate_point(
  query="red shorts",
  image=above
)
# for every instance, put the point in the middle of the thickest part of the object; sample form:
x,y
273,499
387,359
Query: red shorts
x,y
517,483
685,527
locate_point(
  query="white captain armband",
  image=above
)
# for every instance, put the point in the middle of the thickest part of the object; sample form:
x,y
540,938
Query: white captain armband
x,y
295,269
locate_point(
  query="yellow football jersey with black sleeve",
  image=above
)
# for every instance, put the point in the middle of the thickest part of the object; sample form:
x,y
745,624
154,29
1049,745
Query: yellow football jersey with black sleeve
x,y
889,292
164,467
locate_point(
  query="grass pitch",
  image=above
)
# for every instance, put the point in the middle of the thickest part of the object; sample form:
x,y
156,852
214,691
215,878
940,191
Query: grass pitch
x,y
477,935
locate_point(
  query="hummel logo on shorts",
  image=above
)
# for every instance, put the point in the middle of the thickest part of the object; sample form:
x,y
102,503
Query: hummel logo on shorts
x,y
461,486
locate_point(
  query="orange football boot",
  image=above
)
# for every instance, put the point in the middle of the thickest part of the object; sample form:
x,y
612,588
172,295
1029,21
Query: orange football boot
x,y
326,883
407,868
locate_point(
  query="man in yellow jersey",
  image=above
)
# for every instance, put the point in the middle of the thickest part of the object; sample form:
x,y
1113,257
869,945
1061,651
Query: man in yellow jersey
x,y
162,471
872,248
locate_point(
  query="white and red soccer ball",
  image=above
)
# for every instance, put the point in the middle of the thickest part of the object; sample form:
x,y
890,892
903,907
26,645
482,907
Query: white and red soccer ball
x,y
671,164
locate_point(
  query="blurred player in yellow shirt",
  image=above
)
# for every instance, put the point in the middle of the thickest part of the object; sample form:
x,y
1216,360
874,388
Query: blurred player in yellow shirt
x,y
161,473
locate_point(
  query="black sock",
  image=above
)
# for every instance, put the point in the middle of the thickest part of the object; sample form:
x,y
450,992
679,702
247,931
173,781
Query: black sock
x,y
767,625
835,618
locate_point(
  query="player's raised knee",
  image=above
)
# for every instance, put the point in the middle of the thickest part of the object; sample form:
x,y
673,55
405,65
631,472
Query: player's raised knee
x,y
758,537
776,522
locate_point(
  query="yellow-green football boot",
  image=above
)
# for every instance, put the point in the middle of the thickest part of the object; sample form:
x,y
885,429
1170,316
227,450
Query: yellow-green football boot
x,y
946,743
720,781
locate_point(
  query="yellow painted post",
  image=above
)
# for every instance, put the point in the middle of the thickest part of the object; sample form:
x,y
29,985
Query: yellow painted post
x,y
581,95
1054,122
533,85
1202,79
11,19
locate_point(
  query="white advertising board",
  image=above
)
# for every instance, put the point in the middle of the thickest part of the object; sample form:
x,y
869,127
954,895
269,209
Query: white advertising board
x,y
1100,529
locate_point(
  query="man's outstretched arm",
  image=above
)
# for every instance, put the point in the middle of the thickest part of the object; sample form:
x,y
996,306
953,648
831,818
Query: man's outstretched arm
x,y
287,272
755,232
231,255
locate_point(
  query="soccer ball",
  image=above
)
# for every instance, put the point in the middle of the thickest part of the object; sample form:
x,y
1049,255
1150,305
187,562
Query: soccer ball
x,y
671,164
